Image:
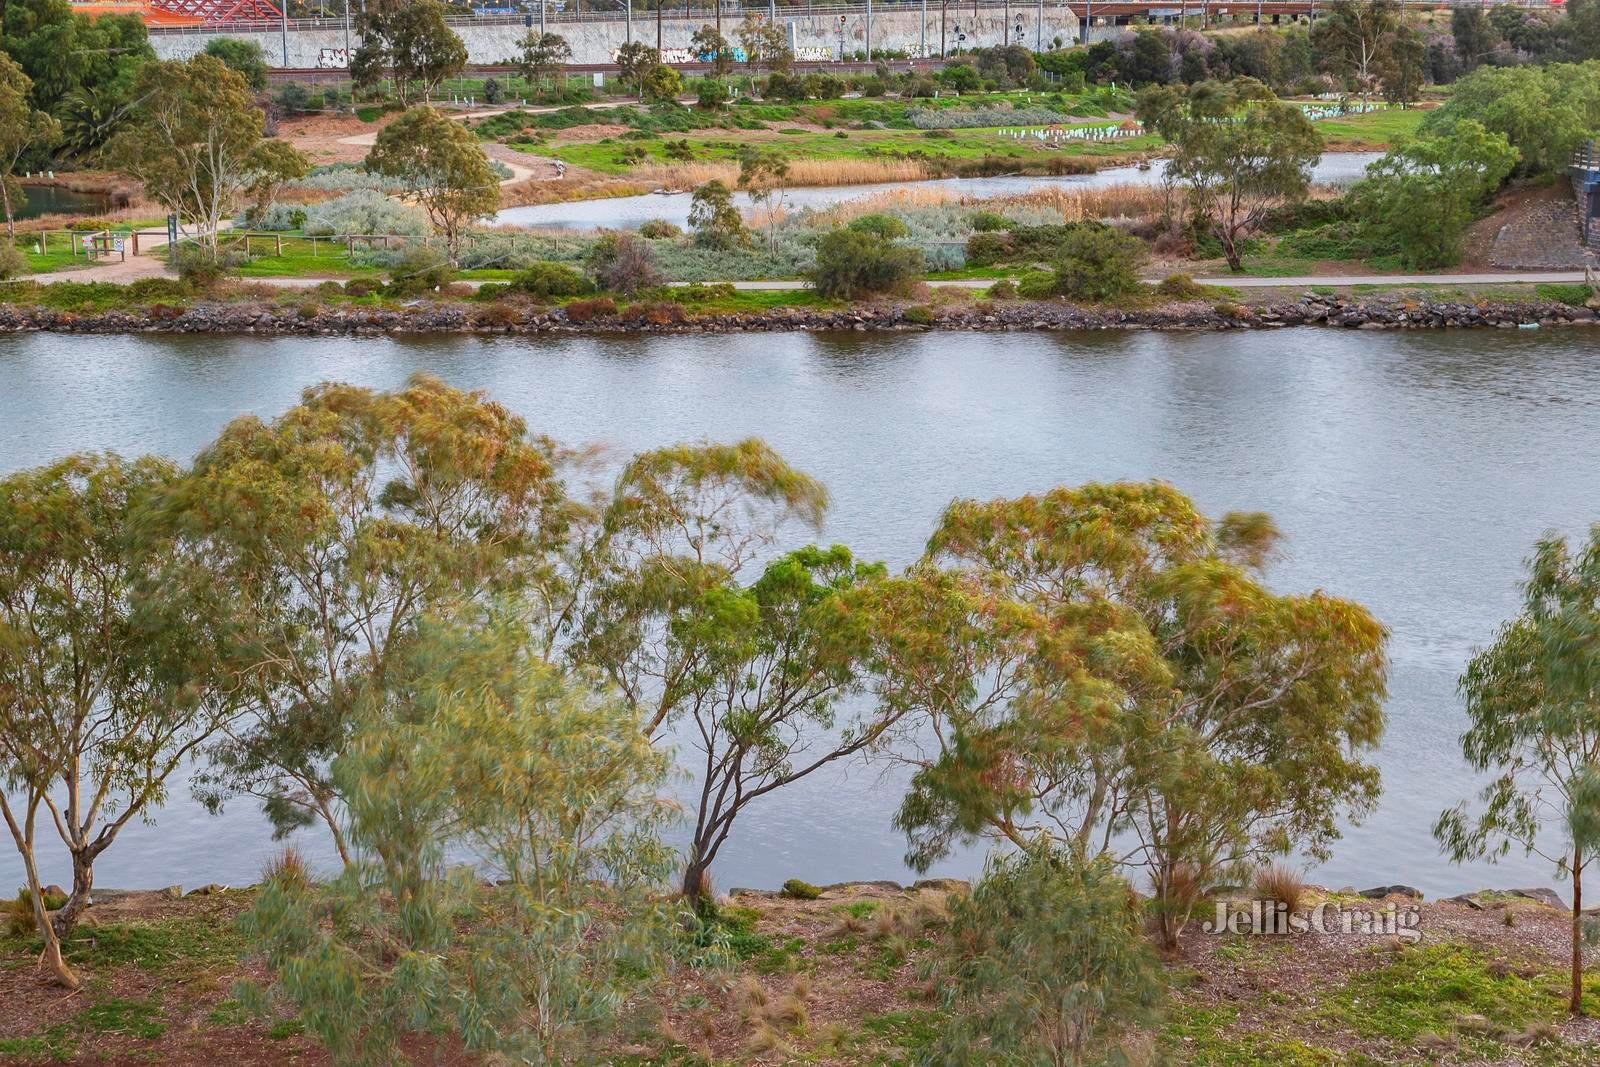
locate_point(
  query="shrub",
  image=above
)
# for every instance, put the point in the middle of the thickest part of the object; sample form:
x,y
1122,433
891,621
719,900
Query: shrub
x,y
713,95
1281,884
287,869
493,93
581,311
795,889
547,280
989,221
293,99
1097,262
987,249
360,287
1004,289
1573,295
661,84
659,229
919,315
148,289
1181,287
420,269
883,227
491,291
12,262
1036,285
656,313
1052,964
200,267
698,293
850,262
714,219
623,263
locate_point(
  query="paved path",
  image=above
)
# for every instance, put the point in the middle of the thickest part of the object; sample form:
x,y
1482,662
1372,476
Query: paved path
x,y
1336,281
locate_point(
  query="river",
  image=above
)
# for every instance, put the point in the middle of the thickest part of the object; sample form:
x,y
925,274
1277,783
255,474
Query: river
x,y
1411,471
631,212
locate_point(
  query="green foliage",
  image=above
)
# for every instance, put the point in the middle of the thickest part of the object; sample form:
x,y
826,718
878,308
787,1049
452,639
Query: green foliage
x,y
1097,262
660,83
242,57
420,269
623,263
440,164
883,227
547,280
62,51
195,139
1543,111
543,56
1240,153
408,44
1142,639
198,267
851,263
1048,963
1424,193
1572,295
712,94
988,221
548,780
334,569
659,230
1535,726
105,686
796,889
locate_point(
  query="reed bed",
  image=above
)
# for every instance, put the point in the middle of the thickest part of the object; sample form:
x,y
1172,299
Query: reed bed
x,y
686,176
1070,204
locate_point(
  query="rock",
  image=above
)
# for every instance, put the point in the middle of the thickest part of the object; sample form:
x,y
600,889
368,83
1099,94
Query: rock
x,y
1543,896
1383,891
943,885
208,890
55,891
1468,899
172,892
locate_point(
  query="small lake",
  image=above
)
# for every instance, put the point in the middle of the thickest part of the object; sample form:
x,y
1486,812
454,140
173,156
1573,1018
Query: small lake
x,y
57,200
1411,471
631,212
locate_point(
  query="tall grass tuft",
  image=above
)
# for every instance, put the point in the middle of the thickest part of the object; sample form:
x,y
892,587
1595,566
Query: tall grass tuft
x,y
1281,884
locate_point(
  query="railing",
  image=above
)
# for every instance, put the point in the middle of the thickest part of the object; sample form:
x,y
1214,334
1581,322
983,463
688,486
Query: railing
x,y
612,10
1587,157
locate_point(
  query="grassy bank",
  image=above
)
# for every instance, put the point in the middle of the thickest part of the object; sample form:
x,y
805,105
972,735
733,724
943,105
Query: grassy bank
x,y
839,981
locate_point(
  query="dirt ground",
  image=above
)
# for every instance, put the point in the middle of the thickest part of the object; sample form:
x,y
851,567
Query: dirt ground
x,y
842,980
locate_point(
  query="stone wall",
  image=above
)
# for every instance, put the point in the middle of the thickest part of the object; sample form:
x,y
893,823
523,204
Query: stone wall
x,y
814,37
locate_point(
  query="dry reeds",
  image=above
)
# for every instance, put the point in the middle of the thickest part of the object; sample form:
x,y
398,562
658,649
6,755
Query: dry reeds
x,y
1281,884
688,175
286,869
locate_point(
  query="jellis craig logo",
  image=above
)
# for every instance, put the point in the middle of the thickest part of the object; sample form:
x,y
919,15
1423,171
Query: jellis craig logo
x,y
1331,919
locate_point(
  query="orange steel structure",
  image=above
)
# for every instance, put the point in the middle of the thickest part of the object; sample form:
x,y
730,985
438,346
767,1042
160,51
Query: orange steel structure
x,y
184,12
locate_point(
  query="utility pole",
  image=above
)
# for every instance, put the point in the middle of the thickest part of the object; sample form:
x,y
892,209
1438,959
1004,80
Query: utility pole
x,y
922,40
1005,25
658,27
869,30
542,5
347,33
944,18
283,13
1038,35
628,25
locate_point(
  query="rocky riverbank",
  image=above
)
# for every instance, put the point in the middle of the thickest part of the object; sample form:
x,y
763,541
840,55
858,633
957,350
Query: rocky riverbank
x,y
601,316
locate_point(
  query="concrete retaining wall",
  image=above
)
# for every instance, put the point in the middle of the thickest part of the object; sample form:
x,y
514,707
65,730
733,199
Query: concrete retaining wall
x,y
813,38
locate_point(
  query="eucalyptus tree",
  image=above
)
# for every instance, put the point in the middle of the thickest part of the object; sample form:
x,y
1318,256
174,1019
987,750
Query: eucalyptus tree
x,y
443,168
547,779
1104,667
342,524
23,129
1239,153
194,137
113,670
1533,705
748,673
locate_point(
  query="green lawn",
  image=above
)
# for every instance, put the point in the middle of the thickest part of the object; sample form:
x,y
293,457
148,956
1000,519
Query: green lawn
x,y
618,156
1374,128
302,258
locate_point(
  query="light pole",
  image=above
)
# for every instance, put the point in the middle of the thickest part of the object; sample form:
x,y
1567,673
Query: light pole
x,y
922,26
842,21
869,30
283,13
628,24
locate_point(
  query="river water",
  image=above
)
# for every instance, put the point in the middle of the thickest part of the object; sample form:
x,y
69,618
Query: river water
x,y
1411,471
631,212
